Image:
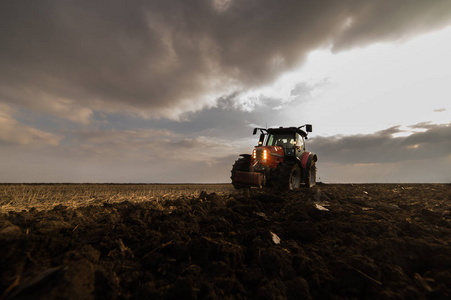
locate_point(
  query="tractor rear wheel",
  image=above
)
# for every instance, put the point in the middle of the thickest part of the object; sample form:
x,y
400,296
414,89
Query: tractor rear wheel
x,y
310,181
242,164
288,176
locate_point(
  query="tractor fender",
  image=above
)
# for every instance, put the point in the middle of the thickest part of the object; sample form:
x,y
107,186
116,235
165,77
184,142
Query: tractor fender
x,y
307,158
246,155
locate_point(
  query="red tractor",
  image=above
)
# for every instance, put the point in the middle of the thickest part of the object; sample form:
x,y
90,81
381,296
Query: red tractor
x,y
279,160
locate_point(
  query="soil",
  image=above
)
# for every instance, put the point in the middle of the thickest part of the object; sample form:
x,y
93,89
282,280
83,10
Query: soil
x,y
368,241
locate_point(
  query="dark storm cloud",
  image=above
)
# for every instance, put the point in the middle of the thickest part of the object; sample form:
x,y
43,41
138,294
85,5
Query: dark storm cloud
x,y
370,21
228,101
159,58
382,147
231,121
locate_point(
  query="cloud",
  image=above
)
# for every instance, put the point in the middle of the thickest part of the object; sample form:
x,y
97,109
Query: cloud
x,y
127,137
434,170
39,100
423,126
305,90
15,133
383,157
163,59
149,145
162,155
388,20
382,148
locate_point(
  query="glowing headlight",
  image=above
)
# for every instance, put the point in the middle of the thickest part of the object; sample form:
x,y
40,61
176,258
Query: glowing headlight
x,y
254,154
265,153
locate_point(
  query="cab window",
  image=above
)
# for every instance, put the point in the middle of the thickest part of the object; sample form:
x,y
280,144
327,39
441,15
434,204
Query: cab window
x,y
282,140
299,141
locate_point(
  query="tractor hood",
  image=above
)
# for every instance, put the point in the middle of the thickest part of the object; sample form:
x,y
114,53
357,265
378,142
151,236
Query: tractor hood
x,y
270,150
267,155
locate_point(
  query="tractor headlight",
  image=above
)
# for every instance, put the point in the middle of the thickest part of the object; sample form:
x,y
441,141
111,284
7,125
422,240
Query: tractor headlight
x,y
254,154
265,154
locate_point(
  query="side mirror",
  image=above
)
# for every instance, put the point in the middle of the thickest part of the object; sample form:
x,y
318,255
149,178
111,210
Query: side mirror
x,y
308,127
255,131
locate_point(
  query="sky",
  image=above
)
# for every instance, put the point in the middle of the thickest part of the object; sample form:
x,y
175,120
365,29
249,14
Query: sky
x,y
169,91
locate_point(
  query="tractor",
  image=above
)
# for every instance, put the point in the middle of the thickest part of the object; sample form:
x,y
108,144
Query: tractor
x,y
279,160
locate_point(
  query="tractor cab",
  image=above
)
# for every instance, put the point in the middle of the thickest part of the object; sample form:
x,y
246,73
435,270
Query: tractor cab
x,y
292,143
290,139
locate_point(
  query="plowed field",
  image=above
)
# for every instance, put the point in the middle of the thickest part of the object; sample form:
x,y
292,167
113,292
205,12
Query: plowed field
x,y
368,241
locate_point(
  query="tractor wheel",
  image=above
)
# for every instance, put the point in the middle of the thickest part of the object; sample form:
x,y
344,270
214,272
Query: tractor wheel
x,y
288,176
242,164
310,181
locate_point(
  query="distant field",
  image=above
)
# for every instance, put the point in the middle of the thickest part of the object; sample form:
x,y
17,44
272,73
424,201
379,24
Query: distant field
x,y
17,197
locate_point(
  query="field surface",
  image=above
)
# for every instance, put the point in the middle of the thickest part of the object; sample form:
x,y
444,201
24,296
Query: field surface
x,y
365,241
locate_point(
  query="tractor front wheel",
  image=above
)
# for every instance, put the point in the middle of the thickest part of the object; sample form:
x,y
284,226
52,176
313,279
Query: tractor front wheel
x,y
243,164
295,178
311,176
288,176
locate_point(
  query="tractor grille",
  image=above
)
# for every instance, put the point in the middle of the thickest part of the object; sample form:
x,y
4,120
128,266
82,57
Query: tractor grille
x,y
259,153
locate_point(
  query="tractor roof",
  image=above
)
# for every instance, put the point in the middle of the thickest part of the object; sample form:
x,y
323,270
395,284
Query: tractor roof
x,y
286,130
283,130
